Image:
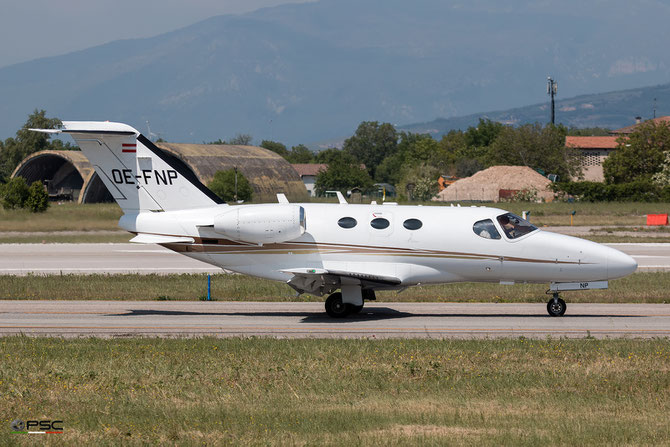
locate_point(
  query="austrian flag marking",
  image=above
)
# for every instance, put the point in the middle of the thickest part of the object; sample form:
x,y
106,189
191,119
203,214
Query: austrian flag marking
x,y
129,148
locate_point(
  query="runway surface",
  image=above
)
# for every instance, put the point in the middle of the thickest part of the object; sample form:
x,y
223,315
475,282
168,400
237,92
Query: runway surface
x,y
45,259
22,259
297,320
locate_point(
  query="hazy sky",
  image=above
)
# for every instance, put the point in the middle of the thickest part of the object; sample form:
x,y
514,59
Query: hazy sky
x,y
31,29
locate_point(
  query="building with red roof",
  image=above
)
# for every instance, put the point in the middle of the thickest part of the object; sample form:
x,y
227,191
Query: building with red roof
x,y
630,129
308,173
593,152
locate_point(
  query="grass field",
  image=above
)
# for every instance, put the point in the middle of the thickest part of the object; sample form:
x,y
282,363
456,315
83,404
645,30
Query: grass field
x,y
55,238
73,217
65,217
337,392
638,288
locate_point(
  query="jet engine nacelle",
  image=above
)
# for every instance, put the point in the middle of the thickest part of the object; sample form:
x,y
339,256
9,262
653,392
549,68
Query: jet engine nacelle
x,y
262,224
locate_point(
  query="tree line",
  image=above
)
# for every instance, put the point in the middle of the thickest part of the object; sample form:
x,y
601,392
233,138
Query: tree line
x,y
380,153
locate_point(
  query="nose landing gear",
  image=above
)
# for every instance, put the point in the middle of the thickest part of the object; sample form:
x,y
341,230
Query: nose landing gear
x,y
556,306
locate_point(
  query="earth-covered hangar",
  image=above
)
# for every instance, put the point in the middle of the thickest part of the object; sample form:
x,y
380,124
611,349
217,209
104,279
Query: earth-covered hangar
x,y
69,176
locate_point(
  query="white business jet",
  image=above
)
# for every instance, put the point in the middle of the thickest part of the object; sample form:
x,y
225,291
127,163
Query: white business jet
x,y
322,248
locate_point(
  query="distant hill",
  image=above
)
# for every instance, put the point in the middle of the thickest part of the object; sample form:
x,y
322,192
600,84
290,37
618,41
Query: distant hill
x,y
611,110
313,71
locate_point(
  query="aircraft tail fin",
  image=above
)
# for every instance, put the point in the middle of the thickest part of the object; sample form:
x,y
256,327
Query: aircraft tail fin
x,y
137,174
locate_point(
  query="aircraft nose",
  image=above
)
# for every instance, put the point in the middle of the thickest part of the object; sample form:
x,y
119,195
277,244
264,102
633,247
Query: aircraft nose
x,y
619,264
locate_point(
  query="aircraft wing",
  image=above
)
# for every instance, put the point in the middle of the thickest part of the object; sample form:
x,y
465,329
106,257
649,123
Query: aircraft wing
x,y
318,281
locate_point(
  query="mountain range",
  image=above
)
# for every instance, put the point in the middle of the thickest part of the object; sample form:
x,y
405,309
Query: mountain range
x,y
313,71
611,110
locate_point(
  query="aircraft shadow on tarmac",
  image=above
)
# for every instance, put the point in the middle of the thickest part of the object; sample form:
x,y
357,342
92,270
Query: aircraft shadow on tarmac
x,y
368,314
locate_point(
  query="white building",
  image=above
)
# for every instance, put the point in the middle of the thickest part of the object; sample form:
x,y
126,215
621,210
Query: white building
x,y
308,173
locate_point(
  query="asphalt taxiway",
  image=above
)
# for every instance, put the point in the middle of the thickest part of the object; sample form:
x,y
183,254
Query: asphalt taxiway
x,y
23,259
299,320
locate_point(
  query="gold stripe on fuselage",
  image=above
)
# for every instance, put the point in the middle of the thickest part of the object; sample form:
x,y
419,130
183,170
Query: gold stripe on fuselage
x,y
228,247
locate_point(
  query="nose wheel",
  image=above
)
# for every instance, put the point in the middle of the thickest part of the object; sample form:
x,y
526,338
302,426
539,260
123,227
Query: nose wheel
x,y
556,306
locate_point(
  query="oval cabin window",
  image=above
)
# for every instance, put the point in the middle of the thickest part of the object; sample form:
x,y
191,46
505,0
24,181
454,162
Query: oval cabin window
x,y
412,224
347,222
379,223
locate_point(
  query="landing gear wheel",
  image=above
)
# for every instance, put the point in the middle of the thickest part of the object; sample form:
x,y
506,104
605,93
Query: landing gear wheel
x,y
335,308
556,307
353,309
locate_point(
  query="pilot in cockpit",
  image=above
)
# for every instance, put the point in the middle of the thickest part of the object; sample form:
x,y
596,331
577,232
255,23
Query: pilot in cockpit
x,y
507,226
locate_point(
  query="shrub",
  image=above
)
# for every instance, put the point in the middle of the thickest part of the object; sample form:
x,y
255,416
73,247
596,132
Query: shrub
x,y
637,191
38,198
14,193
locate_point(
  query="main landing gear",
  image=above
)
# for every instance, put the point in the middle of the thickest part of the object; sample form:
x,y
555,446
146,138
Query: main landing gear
x,y
336,308
556,306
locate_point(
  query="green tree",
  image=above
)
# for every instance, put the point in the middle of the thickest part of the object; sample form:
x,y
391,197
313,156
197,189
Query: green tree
x,y
484,134
541,148
327,155
371,143
241,139
26,142
223,185
343,173
275,147
588,132
419,182
412,150
14,193
300,154
465,167
640,156
38,198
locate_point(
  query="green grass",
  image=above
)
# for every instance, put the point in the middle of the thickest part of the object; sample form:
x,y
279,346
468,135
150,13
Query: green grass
x,y
614,239
638,288
55,238
74,217
643,230
337,392
66,217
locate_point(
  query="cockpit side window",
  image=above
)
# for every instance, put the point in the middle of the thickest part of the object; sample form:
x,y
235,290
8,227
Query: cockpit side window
x,y
514,226
486,229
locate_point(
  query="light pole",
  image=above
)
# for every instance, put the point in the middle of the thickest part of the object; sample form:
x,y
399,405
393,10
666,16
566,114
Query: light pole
x,y
552,89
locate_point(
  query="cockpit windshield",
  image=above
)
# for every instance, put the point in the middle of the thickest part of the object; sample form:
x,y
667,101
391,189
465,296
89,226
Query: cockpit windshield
x,y
514,226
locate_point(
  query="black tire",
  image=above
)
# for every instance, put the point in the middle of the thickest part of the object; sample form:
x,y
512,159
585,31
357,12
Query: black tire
x,y
556,309
335,308
353,309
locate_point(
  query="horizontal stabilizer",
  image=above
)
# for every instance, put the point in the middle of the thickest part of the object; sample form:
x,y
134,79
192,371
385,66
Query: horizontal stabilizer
x,y
160,239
